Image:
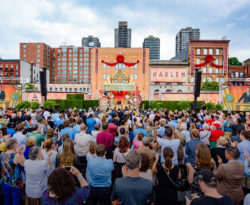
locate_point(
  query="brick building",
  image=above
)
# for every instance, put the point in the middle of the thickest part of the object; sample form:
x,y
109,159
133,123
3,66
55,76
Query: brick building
x,y
38,53
14,68
120,73
211,56
239,75
67,64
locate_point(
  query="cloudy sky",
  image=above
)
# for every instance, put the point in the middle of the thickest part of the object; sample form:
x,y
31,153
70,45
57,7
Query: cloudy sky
x,y
58,21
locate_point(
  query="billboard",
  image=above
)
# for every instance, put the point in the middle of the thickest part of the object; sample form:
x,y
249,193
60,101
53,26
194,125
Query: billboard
x,y
169,74
236,98
10,95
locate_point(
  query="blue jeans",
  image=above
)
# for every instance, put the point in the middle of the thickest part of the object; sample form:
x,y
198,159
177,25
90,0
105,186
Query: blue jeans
x,y
11,195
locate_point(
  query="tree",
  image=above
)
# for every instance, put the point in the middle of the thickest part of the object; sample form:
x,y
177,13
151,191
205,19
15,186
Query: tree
x,y
210,86
29,86
234,61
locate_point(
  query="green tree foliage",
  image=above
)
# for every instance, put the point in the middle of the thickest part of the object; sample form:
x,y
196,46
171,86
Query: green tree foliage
x,y
29,86
210,86
234,61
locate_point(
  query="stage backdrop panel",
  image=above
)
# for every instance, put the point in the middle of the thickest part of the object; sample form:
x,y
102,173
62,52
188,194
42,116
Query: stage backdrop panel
x,y
10,95
236,98
207,97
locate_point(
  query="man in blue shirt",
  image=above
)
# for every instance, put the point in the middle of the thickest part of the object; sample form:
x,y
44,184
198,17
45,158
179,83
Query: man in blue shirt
x,y
68,130
228,127
99,169
139,129
244,145
90,124
172,123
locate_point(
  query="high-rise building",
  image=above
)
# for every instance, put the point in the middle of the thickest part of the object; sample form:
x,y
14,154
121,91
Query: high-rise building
x,y
183,37
37,53
153,44
123,35
91,41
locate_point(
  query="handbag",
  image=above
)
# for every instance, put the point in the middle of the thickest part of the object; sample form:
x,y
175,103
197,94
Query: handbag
x,y
180,194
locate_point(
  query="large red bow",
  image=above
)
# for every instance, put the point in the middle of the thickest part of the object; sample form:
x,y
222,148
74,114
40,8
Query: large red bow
x,y
120,59
208,60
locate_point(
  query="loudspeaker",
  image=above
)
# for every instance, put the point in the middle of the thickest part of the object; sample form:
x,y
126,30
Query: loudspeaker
x,y
197,86
43,83
119,102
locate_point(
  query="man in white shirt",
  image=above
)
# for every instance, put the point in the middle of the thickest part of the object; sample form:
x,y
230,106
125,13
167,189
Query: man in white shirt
x,y
83,141
19,136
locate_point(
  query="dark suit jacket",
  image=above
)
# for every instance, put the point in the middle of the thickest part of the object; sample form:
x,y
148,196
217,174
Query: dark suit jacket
x,y
2,95
245,97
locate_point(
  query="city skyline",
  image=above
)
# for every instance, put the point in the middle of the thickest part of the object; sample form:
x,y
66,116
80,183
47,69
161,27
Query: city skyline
x,y
65,21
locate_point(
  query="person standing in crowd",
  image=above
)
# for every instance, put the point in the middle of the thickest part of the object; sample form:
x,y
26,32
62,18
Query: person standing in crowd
x,y
244,145
37,172
119,157
166,174
112,128
41,124
11,180
168,142
146,150
208,185
99,171
228,127
216,133
30,142
132,189
19,136
63,189
90,124
49,151
219,150
202,161
230,176
205,134
67,129
83,141
237,126
191,146
37,134
106,139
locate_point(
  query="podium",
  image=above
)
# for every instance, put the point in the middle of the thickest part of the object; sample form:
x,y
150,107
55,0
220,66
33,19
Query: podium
x,y
242,106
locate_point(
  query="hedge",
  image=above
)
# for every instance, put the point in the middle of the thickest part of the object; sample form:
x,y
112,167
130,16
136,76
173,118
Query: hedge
x,y
75,96
171,105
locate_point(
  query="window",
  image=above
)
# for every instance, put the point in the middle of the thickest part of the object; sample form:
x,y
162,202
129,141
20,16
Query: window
x,y
16,74
64,63
63,59
217,61
104,65
75,59
58,63
24,55
75,49
192,80
210,79
217,80
210,70
232,74
205,51
38,46
236,74
86,72
204,70
217,51
70,89
86,49
192,88
38,60
86,63
86,55
85,80
75,63
135,76
75,67
104,76
38,50
16,67
75,71
198,61
179,83
64,49
24,50
198,51
211,51
24,45
38,55
86,59
204,80
241,75
217,70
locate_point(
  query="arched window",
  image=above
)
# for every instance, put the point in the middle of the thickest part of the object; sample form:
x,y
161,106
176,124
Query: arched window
x,y
217,80
179,91
210,79
168,91
204,80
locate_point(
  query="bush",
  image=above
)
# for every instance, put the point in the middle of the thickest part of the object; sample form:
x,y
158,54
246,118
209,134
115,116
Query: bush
x,y
34,105
218,107
23,105
210,106
49,104
90,103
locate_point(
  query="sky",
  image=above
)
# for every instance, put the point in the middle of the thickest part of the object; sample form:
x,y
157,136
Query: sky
x,y
58,22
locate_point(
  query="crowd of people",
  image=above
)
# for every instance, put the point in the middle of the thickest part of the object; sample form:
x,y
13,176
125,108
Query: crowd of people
x,y
125,157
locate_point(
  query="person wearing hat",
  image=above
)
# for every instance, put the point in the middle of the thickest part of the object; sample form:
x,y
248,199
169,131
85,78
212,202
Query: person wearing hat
x,y
208,185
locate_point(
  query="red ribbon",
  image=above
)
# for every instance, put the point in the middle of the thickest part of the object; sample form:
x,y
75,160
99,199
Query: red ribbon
x,y
120,59
208,60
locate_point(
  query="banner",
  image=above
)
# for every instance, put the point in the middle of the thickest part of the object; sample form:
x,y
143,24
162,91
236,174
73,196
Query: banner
x,y
169,74
10,95
236,98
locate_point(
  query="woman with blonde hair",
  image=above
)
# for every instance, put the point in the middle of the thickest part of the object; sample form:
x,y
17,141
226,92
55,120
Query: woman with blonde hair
x,y
30,142
203,161
68,156
48,150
